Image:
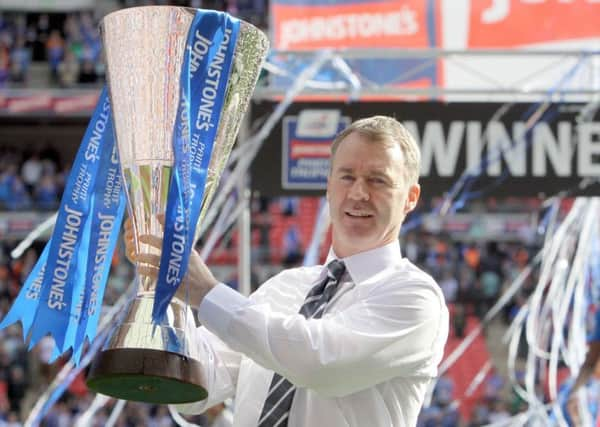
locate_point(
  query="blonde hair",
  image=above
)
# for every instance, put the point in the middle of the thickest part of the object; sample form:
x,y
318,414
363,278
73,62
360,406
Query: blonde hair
x,y
388,130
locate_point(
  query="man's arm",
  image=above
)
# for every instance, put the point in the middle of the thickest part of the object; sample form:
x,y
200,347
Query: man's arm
x,y
397,330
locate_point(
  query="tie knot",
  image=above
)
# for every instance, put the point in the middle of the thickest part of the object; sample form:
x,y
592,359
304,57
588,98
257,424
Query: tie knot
x,y
336,269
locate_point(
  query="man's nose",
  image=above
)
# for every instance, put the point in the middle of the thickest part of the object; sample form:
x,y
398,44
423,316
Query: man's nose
x,y
359,190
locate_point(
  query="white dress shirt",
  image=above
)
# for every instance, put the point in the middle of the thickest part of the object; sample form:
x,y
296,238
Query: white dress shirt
x,y
367,362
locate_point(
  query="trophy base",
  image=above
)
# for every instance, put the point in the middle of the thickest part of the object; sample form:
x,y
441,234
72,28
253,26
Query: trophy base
x,y
145,375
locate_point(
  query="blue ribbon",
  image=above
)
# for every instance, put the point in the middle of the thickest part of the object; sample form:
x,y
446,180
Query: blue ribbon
x,y
204,75
60,295
25,305
63,292
60,299
109,207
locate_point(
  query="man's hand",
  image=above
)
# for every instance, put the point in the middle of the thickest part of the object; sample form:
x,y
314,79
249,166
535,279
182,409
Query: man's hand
x,y
130,250
198,280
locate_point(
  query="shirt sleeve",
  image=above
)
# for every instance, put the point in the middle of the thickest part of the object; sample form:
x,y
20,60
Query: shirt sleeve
x,y
220,367
397,329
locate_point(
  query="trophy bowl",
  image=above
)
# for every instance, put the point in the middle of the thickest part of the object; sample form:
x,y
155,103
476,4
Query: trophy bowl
x,y
144,49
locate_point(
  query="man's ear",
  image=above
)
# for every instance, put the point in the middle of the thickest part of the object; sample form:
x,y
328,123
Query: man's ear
x,y
412,198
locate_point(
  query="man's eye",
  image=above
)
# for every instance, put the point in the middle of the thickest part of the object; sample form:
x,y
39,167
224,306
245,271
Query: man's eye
x,y
377,181
347,178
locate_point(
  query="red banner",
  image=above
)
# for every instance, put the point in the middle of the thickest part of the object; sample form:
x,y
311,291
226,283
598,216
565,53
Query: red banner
x,y
49,103
513,23
393,23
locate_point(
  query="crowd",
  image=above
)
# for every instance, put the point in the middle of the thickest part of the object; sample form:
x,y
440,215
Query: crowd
x,y
69,47
30,179
69,44
471,275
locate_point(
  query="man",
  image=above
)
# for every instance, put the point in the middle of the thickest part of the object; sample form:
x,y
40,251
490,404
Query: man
x,y
365,351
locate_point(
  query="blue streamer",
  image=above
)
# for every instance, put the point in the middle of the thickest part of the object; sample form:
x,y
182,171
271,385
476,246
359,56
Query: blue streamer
x,y
109,207
459,186
25,305
205,72
63,281
63,292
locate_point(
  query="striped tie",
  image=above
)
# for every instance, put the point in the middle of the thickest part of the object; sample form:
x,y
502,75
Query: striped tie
x,y
281,392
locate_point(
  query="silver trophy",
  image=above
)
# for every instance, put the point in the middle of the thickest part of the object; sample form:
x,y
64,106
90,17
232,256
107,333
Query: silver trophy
x,y
144,49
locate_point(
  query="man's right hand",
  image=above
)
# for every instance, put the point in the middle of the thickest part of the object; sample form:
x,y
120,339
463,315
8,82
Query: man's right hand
x,y
198,280
130,251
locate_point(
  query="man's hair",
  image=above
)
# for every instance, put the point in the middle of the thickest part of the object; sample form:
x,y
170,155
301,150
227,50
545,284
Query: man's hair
x,y
386,130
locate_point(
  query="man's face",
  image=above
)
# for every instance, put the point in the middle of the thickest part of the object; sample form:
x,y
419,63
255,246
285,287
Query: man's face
x,y
368,194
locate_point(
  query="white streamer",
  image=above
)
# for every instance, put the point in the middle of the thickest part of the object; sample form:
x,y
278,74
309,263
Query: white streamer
x,y
226,217
34,234
573,279
255,142
179,419
534,362
87,416
355,85
313,84
107,323
319,232
114,415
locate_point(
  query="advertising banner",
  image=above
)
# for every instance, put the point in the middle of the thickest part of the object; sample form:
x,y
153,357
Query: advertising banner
x,y
458,25
47,5
48,102
306,144
312,25
516,153
516,25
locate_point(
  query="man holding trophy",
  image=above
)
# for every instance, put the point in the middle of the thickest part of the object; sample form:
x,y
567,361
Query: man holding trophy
x,y
352,343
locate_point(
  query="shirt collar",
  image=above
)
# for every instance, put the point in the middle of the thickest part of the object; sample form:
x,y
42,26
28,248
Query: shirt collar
x,y
365,264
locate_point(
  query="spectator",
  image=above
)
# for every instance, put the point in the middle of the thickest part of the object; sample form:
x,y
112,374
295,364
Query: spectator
x,y
17,386
472,256
289,206
46,193
411,249
31,172
12,420
59,415
20,58
459,320
87,72
55,49
443,393
12,190
498,412
50,160
42,32
68,70
449,285
4,64
292,246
